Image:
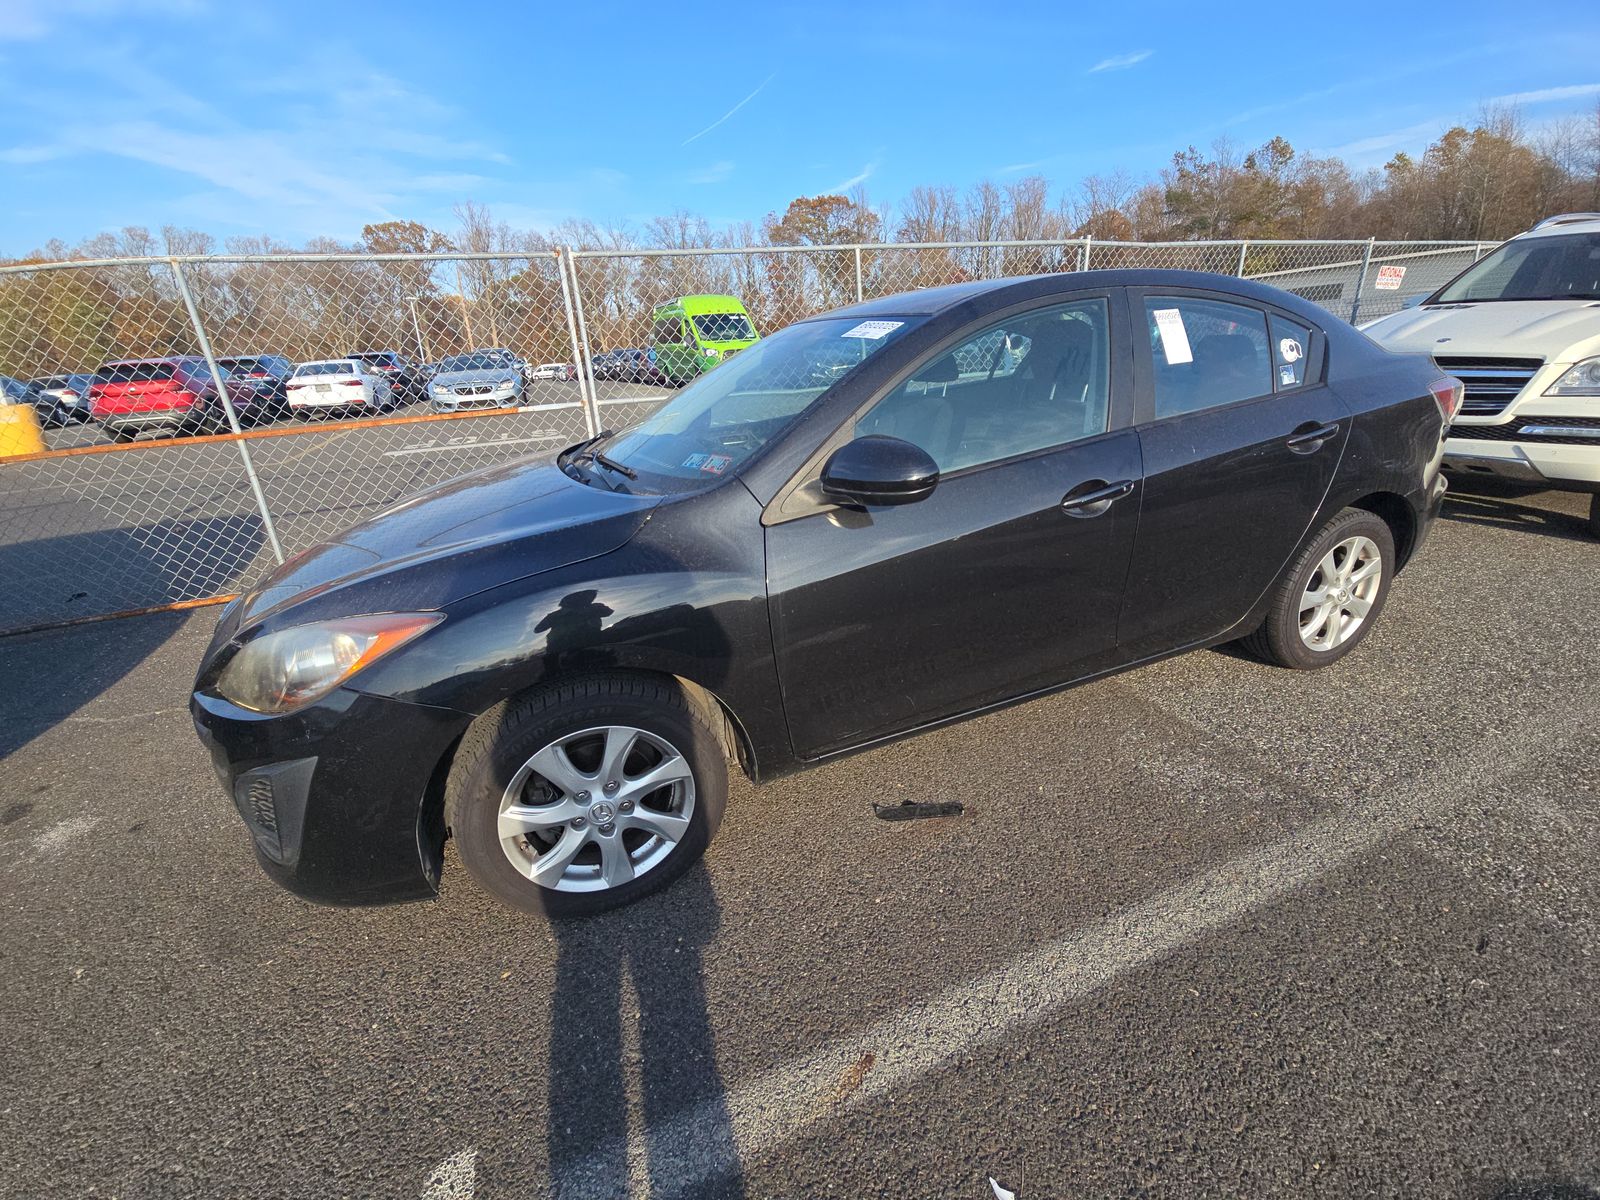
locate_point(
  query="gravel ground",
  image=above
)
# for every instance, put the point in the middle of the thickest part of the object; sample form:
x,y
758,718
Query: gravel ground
x,y
1208,928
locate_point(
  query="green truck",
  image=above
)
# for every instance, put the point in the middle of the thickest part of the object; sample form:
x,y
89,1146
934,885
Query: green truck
x,y
692,334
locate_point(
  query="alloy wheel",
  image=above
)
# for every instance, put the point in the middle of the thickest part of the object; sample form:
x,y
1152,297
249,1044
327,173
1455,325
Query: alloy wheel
x,y
596,809
1340,593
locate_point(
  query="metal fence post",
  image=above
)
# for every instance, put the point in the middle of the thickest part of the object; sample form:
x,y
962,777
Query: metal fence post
x,y
591,411
1243,246
221,382
1361,280
1083,253
858,275
585,358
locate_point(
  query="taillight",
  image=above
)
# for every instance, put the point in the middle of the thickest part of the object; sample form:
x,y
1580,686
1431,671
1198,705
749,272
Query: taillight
x,y
350,382
1447,393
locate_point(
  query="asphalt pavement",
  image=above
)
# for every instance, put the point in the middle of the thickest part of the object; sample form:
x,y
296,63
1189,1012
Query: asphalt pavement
x,y
1206,928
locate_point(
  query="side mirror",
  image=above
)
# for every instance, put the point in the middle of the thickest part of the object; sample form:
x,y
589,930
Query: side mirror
x,y
878,470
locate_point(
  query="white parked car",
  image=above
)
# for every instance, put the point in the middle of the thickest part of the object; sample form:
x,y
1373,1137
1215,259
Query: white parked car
x,y
1521,329
553,371
339,383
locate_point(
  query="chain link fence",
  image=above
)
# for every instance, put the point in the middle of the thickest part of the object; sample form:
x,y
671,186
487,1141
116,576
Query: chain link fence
x,y
469,361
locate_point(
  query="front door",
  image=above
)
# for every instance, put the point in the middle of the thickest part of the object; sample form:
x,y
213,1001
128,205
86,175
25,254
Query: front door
x,y
1008,578
1240,440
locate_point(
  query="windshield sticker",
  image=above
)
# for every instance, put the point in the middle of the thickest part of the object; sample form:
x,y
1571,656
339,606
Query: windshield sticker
x,y
1389,278
872,329
1174,337
1289,349
711,464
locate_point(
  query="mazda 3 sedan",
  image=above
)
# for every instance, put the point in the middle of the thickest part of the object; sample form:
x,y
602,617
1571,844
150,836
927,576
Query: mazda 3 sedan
x,y
874,522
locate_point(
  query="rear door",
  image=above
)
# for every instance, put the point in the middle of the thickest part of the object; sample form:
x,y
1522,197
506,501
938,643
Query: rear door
x,y
1240,439
1008,578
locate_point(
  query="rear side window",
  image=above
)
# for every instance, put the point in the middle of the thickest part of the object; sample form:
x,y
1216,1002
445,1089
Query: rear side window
x,y
134,373
1291,343
1206,353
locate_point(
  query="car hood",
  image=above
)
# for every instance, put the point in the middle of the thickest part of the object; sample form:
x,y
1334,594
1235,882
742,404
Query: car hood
x,y
1554,330
482,375
477,532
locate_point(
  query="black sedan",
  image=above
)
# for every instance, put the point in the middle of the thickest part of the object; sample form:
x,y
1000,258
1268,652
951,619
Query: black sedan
x,y
876,521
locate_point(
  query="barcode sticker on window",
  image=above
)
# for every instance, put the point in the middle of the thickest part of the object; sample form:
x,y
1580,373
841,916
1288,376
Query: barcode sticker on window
x,y
1174,337
872,329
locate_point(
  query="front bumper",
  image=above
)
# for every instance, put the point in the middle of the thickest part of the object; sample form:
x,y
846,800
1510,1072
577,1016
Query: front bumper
x,y
1542,464
452,402
333,794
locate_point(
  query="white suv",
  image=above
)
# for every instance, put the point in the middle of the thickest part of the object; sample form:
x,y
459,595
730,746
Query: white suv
x,y
1521,328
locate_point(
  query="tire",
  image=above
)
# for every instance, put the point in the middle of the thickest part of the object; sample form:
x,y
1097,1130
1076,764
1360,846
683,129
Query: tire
x,y
1594,515
1281,640
121,436
499,747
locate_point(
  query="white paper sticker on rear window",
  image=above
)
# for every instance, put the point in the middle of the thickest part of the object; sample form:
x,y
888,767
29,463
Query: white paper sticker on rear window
x,y
1174,337
872,329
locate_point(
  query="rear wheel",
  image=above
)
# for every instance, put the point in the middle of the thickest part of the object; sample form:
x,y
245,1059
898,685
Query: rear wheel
x,y
586,795
1330,596
1594,515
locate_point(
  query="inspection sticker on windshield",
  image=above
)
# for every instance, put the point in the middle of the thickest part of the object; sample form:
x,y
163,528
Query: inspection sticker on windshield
x,y
872,329
1174,337
1389,279
711,464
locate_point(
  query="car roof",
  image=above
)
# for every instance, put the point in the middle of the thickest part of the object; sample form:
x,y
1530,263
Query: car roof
x,y
324,362
985,295
139,362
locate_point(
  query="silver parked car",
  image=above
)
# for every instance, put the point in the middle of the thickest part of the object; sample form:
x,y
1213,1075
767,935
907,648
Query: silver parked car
x,y
480,379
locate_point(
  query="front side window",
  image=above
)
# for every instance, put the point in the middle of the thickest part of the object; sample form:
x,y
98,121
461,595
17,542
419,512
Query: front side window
x,y
1206,353
1563,267
667,332
714,424
1037,380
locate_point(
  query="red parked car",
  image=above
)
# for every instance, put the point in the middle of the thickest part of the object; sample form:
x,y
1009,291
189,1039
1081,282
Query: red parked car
x,y
175,395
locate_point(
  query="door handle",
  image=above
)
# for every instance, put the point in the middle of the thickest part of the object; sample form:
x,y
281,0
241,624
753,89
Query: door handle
x,y
1307,440
1091,503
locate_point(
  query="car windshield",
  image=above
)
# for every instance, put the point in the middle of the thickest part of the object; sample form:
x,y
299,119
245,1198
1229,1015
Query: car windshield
x,y
724,327
726,415
1563,267
326,368
473,362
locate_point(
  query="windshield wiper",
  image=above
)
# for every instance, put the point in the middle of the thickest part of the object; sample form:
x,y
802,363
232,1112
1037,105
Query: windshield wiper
x,y
611,464
586,451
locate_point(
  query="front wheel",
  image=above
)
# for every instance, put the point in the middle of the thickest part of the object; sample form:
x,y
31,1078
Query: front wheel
x,y
1330,596
586,795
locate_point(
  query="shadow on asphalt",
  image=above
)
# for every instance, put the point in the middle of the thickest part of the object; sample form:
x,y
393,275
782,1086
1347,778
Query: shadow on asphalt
x,y
49,676
1483,501
677,1064
104,571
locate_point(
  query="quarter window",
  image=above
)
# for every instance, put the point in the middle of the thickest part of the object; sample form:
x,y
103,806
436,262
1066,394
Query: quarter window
x,y
1291,344
1037,380
1206,353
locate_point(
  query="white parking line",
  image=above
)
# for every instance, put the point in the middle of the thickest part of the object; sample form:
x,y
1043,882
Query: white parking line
x,y
761,1114
456,1178
430,447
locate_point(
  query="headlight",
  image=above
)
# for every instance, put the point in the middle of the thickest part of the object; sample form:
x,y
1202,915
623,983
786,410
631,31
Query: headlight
x,y
1580,379
441,389
284,670
710,353
505,383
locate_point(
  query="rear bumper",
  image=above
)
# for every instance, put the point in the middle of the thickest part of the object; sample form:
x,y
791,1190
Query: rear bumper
x,y
1540,464
333,794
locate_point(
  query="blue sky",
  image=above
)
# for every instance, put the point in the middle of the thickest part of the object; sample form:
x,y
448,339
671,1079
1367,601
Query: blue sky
x,y
296,119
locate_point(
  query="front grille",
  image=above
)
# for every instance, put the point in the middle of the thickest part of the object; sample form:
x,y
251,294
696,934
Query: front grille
x,y
475,389
1491,383
1519,431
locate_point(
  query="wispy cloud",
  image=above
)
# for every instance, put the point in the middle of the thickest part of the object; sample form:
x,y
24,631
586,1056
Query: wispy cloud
x,y
1018,168
1121,62
717,172
1360,152
30,20
861,176
1573,91
730,112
